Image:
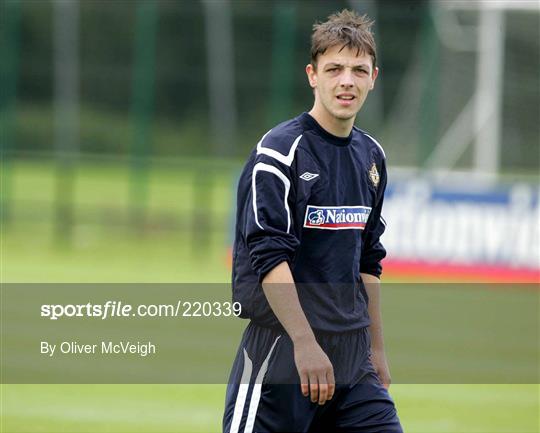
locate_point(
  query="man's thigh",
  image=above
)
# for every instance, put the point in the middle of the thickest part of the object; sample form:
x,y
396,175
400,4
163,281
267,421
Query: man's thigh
x,y
366,408
283,408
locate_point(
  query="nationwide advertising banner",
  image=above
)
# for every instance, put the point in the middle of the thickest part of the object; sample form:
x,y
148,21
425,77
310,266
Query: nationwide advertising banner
x,y
462,230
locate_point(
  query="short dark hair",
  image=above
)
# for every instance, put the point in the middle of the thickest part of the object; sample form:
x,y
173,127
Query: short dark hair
x,y
346,28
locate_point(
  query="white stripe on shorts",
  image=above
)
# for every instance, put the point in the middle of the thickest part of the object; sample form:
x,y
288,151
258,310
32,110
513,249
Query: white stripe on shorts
x,y
256,395
242,394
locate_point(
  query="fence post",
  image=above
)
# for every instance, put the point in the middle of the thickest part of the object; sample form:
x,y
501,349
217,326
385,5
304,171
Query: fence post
x,y
284,20
429,106
66,113
220,69
11,12
142,108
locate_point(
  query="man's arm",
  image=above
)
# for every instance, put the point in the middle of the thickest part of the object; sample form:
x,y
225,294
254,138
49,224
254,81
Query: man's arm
x,y
269,232
314,367
378,356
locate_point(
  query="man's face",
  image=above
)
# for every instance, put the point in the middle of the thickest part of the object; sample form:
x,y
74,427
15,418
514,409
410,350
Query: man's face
x,y
341,82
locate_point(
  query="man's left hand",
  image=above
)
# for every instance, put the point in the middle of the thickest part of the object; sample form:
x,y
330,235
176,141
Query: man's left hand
x,y
378,359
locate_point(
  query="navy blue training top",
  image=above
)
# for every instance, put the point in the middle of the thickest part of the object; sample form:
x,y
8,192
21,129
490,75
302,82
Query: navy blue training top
x,y
314,200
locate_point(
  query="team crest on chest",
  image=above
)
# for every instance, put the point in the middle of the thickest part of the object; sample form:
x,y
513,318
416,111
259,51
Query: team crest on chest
x,y
374,175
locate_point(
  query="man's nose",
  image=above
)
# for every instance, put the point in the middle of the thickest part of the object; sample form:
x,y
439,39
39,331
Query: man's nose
x,y
346,78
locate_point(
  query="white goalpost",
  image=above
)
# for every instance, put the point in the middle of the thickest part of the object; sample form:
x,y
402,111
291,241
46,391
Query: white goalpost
x,y
471,39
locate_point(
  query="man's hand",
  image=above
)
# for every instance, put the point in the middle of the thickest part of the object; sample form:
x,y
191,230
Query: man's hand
x,y
315,370
378,359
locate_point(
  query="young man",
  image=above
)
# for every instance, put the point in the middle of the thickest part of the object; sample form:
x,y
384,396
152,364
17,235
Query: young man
x,y
307,258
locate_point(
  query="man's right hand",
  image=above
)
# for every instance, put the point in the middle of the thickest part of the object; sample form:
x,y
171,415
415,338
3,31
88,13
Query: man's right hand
x,y
315,370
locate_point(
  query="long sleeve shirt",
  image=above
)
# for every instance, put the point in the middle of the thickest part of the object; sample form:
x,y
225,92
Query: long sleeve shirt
x,y
314,200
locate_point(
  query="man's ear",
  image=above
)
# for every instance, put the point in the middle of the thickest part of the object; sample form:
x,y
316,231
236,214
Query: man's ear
x,y
312,75
374,76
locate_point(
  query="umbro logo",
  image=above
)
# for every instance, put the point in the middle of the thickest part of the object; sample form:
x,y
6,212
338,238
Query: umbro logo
x,y
307,176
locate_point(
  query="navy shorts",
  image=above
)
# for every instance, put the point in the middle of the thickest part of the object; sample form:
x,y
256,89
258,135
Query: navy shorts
x,y
263,394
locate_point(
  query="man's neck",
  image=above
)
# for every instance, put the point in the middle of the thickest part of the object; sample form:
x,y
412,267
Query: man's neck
x,y
337,127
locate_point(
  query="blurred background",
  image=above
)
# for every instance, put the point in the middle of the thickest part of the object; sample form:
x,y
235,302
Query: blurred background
x,y
125,124
129,120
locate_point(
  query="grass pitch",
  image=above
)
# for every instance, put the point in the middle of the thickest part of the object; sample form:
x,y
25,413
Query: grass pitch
x,y
198,408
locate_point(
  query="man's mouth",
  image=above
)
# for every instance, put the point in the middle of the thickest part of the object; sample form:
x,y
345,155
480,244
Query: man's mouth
x,y
345,100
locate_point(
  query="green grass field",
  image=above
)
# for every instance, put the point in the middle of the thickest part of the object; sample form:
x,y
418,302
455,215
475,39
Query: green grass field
x,y
103,249
197,408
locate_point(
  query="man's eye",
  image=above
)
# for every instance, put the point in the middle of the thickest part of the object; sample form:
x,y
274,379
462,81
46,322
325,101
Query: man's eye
x,y
332,69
